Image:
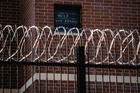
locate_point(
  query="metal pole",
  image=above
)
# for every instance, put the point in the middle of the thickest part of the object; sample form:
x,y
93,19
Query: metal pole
x,y
81,80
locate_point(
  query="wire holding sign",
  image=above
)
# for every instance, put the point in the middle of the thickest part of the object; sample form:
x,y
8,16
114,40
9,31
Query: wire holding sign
x,y
34,43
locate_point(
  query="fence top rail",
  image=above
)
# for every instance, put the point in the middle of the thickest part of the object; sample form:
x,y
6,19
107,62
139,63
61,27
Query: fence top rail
x,y
15,63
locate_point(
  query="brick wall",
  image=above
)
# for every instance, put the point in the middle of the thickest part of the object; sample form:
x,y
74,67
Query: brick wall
x,y
94,14
9,15
27,12
14,13
120,14
9,12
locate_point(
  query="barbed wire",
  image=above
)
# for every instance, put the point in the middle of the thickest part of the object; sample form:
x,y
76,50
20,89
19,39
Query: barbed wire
x,y
101,45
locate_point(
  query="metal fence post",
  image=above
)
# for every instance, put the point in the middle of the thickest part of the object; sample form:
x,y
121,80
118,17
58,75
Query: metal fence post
x,y
81,80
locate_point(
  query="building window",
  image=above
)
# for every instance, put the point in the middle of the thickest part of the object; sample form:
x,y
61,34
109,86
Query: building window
x,y
67,16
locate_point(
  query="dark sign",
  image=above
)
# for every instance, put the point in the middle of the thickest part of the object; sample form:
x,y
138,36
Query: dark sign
x,y
67,16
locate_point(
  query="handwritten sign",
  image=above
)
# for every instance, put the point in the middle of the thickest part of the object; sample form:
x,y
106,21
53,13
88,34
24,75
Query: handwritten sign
x,y
67,16
67,19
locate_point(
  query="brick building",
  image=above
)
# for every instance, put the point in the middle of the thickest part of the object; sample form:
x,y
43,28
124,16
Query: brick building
x,y
102,14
